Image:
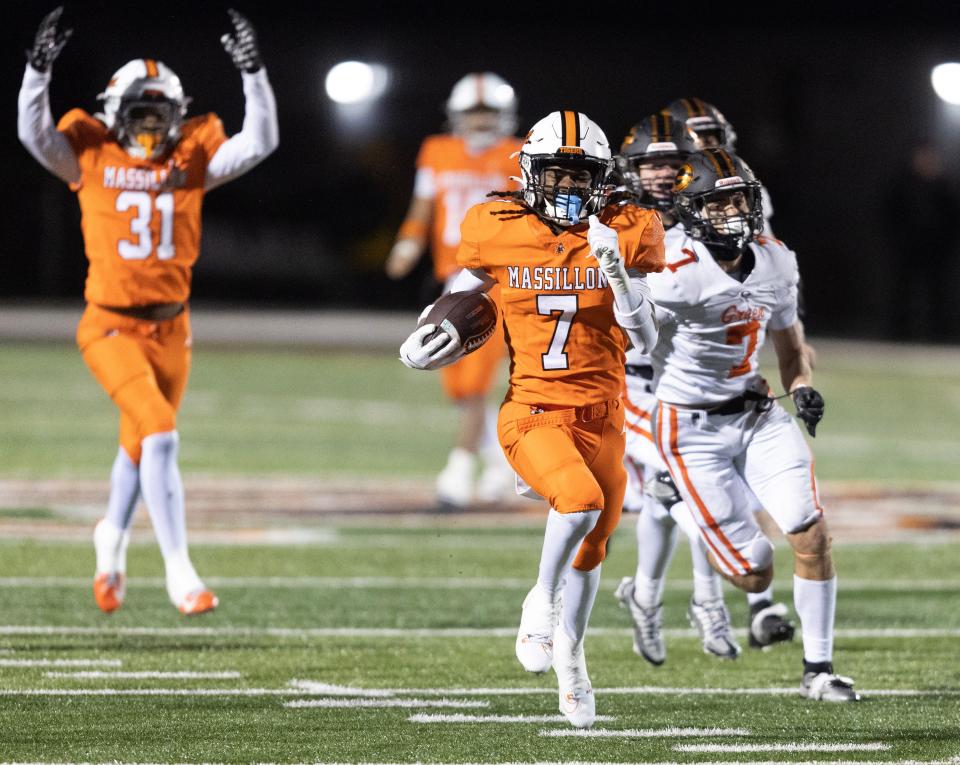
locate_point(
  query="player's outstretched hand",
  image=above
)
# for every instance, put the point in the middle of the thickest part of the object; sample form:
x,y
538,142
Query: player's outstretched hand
x,y
48,42
435,353
809,405
242,44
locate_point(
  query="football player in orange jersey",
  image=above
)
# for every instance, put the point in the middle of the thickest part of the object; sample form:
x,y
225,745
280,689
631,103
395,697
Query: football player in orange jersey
x,y
140,170
572,293
454,172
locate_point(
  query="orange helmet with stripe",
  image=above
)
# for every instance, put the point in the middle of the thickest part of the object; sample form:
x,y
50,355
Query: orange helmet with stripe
x,y
566,162
144,105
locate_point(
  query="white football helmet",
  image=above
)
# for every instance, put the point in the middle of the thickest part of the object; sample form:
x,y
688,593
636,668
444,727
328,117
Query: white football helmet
x,y
482,109
144,106
567,145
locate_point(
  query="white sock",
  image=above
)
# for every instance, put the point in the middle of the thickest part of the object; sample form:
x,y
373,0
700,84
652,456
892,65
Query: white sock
x,y
124,491
648,592
706,588
163,491
578,596
110,546
182,578
758,597
816,603
561,540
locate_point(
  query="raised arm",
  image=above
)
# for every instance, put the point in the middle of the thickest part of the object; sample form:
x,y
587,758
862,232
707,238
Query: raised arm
x,y
632,305
260,134
35,127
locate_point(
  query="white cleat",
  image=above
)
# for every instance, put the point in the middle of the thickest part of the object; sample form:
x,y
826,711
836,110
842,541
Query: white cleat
x,y
577,701
825,686
712,621
647,624
537,625
455,483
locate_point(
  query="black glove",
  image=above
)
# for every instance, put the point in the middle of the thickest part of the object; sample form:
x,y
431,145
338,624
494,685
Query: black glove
x,y
809,405
242,44
49,42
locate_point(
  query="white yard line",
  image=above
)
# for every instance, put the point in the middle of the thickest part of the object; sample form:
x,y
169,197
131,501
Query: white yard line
x,y
951,761
425,718
299,688
61,663
454,633
351,703
644,732
791,747
325,689
439,583
232,675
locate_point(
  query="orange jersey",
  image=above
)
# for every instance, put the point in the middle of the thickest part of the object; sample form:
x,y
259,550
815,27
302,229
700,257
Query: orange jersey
x,y
140,218
458,181
565,346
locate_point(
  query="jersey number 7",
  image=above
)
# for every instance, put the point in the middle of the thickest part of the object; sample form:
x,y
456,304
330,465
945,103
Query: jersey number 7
x,y
566,306
735,336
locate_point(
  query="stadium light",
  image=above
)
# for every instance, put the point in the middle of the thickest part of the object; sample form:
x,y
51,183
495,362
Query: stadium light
x,y
946,82
356,82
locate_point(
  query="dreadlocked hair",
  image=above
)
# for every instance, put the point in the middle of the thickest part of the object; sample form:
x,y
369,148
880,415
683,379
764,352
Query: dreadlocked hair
x,y
512,196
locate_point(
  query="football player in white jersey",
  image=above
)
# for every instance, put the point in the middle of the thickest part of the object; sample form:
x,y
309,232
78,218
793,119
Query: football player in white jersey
x,y
727,442
768,619
652,152
713,131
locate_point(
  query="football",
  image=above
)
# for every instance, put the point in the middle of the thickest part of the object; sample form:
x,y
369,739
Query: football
x,y
470,318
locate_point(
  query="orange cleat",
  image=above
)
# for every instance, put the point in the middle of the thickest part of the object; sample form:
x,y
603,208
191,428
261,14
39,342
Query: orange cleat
x,y
108,591
198,602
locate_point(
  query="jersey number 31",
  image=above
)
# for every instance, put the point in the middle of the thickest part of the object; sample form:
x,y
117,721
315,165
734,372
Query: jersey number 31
x,y
141,246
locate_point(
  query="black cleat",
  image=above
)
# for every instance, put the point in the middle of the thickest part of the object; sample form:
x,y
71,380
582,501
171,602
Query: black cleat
x,y
769,624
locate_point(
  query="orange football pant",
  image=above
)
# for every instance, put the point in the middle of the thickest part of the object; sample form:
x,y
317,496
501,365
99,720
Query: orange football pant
x,y
474,374
575,465
142,365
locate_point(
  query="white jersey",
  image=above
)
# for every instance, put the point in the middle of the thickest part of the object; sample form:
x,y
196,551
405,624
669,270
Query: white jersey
x,y
713,326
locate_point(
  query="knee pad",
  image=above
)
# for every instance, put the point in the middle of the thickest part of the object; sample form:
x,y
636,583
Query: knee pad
x,y
591,554
760,553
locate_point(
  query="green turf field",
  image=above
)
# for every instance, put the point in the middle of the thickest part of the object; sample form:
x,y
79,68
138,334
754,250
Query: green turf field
x,y
425,619
316,413
373,642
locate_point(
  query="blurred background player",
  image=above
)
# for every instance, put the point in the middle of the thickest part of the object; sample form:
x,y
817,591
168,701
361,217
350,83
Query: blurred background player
x,y
652,152
455,171
768,619
140,171
727,442
572,296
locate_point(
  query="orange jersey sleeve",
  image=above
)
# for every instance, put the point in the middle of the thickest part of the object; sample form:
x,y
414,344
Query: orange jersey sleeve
x,y
640,233
565,346
457,180
140,218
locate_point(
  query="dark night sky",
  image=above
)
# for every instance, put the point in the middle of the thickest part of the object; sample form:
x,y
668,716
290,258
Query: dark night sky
x,y
826,110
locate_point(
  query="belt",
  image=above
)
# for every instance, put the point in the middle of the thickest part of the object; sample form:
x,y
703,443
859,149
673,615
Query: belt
x,y
742,402
152,312
640,370
587,413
